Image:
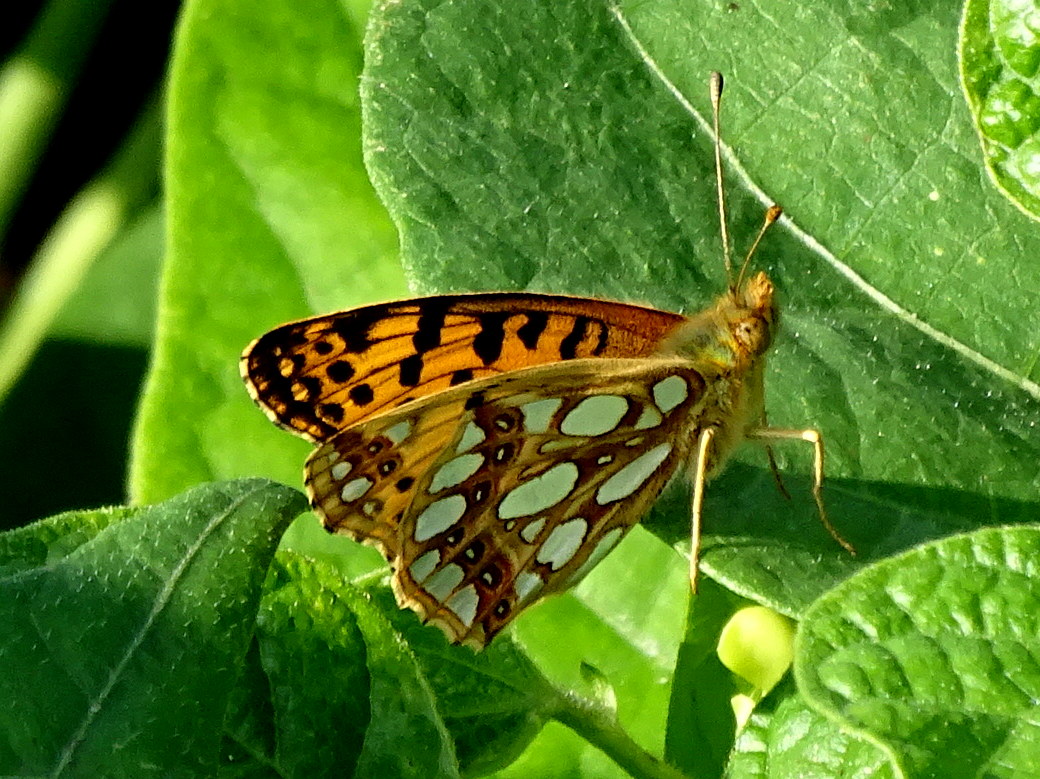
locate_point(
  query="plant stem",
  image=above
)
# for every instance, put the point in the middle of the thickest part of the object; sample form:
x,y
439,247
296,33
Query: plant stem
x,y
603,732
84,229
34,85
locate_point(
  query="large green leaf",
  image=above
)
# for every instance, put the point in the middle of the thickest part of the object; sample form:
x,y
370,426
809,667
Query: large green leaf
x,y
933,655
562,146
571,155
126,628
270,217
346,691
786,738
1000,59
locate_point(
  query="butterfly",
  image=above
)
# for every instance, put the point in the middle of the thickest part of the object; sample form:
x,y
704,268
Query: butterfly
x,y
495,446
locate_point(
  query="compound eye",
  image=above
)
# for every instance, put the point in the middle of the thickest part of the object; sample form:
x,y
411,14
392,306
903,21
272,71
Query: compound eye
x,y
752,334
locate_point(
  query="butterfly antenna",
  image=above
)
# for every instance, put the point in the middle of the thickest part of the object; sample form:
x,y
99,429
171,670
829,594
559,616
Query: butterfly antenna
x,y
773,213
715,88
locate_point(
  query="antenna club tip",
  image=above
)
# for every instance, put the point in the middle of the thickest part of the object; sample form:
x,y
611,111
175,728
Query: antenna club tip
x,y
773,213
715,82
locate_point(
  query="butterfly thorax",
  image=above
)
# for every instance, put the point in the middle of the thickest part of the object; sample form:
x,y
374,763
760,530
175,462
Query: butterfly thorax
x,y
726,343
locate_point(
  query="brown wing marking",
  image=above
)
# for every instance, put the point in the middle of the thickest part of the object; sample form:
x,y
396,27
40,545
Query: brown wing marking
x,y
318,376
486,554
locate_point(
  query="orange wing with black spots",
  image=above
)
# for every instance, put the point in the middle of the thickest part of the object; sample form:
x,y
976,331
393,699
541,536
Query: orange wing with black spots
x,y
319,376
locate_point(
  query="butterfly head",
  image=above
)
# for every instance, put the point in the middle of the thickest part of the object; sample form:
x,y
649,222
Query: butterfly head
x,y
751,314
732,334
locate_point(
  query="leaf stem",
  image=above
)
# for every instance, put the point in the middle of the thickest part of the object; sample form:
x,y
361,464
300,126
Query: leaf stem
x,y
602,730
34,85
90,221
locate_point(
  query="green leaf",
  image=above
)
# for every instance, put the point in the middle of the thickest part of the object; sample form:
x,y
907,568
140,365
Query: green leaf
x,y
312,650
492,702
701,723
1000,60
933,654
786,738
346,690
126,629
570,154
270,218
573,156
52,539
625,620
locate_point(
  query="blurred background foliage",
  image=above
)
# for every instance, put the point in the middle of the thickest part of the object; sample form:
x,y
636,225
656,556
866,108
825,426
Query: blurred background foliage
x,y
81,236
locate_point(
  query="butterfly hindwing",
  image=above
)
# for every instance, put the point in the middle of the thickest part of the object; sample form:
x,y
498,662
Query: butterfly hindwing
x,y
488,496
319,376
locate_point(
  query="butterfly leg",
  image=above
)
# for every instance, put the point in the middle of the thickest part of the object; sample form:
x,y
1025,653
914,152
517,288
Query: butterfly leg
x,y
776,473
700,476
812,437
763,424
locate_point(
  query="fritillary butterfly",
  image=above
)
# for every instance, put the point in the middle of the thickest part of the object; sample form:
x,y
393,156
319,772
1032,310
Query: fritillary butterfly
x,y
494,447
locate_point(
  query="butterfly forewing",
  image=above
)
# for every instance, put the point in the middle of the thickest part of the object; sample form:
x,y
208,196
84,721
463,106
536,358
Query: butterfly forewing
x,y
488,496
319,376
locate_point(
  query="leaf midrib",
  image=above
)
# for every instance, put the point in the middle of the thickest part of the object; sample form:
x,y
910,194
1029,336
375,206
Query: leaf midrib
x,y
735,168
162,600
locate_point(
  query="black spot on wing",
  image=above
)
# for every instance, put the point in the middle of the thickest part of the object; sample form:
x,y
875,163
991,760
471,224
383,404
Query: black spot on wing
x,y
488,343
340,371
332,412
362,394
474,552
460,377
410,370
355,329
431,322
491,576
569,345
532,329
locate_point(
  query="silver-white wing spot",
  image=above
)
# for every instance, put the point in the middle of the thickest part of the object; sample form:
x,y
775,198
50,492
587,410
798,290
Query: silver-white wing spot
x,y
603,547
538,414
340,470
398,432
355,488
527,585
532,529
595,415
540,493
439,516
562,543
650,417
464,603
443,583
670,392
456,471
424,565
632,476
471,436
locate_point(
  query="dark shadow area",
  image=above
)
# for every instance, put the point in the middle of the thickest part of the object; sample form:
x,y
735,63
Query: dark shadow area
x,y
64,430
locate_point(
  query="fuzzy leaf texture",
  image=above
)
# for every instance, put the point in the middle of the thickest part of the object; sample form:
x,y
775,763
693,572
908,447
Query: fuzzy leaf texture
x,y
1000,60
932,654
564,148
127,627
573,156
